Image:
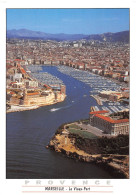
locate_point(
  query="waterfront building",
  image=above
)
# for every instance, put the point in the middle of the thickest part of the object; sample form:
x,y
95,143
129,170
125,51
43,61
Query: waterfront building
x,y
111,95
63,89
35,98
40,98
107,124
16,77
31,83
102,112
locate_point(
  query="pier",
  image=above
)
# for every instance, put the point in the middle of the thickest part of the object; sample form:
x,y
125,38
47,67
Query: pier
x,y
98,100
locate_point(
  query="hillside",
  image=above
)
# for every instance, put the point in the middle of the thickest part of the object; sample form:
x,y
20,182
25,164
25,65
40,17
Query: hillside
x,y
29,34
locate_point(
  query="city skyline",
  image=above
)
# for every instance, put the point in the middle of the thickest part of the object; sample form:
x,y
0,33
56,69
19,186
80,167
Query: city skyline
x,y
69,21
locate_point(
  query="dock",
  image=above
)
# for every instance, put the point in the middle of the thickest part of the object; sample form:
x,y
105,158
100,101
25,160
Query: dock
x,y
98,100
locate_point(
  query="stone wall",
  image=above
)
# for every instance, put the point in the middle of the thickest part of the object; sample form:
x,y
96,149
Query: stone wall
x,y
41,100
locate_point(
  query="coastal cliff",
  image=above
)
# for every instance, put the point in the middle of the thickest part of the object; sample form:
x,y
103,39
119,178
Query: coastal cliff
x,y
91,150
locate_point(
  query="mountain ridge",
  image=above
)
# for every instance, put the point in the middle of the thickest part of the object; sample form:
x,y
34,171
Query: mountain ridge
x,y
122,36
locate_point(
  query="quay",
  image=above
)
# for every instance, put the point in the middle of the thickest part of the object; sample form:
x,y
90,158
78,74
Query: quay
x,y
98,100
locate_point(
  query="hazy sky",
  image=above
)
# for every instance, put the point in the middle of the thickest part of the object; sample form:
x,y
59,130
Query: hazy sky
x,y
86,21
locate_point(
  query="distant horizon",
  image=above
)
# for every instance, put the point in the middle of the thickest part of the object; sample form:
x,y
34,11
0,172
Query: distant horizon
x,y
64,33
70,20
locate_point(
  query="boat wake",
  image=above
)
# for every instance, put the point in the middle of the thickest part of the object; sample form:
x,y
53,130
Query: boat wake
x,y
56,109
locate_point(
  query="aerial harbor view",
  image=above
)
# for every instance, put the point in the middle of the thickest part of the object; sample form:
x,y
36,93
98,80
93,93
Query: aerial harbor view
x,y
67,93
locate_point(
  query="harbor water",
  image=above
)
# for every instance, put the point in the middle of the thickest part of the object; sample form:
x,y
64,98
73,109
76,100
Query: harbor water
x,y
28,133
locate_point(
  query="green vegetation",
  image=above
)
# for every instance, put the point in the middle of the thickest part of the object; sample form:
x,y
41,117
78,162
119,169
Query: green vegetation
x,y
74,129
92,144
83,134
104,145
119,144
73,126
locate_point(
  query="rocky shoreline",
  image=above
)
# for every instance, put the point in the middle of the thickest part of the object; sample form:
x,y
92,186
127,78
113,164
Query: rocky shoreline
x,y
65,143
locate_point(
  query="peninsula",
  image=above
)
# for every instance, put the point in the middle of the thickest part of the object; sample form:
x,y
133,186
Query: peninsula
x,y
109,152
